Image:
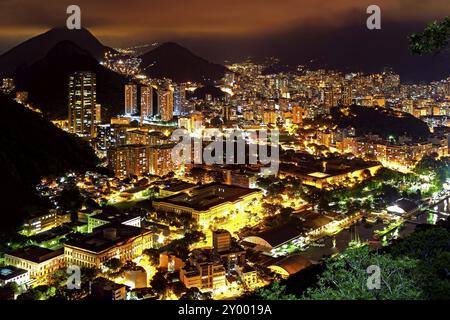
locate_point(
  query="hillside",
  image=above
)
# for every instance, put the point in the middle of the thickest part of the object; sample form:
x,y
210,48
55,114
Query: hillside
x,y
47,81
31,149
36,48
173,61
380,121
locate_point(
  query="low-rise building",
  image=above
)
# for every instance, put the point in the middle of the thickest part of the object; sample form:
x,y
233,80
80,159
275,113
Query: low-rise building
x,y
40,222
104,289
9,274
204,271
36,260
176,188
331,173
288,266
102,219
110,241
169,262
209,201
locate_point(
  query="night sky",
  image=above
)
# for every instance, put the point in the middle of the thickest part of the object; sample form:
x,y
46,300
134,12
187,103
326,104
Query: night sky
x,y
332,33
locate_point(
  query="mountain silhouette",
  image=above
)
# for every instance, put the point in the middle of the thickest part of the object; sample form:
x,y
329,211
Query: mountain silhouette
x,y
170,60
47,80
36,48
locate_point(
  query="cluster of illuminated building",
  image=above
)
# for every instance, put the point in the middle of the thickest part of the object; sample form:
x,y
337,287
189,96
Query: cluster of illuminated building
x,y
137,148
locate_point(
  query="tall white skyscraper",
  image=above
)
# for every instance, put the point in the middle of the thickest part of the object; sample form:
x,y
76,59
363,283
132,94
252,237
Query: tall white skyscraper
x,y
165,104
146,101
131,100
179,99
83,108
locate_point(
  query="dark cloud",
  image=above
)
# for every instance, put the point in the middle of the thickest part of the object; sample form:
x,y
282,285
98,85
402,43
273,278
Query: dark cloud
x,y
143,19
297,30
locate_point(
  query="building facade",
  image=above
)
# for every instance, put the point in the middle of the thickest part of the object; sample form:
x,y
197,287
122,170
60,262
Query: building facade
x,y
118,241
83,104
36,260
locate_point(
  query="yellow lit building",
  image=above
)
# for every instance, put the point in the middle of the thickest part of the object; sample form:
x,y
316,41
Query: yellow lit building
x,y
402,157
40,223
209,201
297,114
131,99
160,160
146,101
83,111
203,271
36,260
324,180
166,104
169,262
129,160
117,241
270,117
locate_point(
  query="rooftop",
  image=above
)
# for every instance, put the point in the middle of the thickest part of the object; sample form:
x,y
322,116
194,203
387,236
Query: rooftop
x,y
108,236
10,272
318,175
36,254
107,285
207,196
321,169
403,206
291,264
118,217
178,186
279,235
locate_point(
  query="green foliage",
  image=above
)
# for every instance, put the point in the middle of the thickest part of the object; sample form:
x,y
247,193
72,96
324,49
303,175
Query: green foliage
x,y
424,245
7,291
89,274
436,169
195,294
380,121
345,278
65,294
182,220
70,199
416,267
387,186
275,291
153,255
433,39
275,187
159,283
58,278
432,248
28,154
178,288
38,293
180,247
113,264
151,193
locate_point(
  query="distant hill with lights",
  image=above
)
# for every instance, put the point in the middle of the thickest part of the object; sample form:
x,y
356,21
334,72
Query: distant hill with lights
x,y
381,121
33,148
202,92
170,60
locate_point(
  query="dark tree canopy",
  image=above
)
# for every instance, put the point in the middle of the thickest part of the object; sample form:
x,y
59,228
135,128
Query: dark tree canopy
x,y
434,39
